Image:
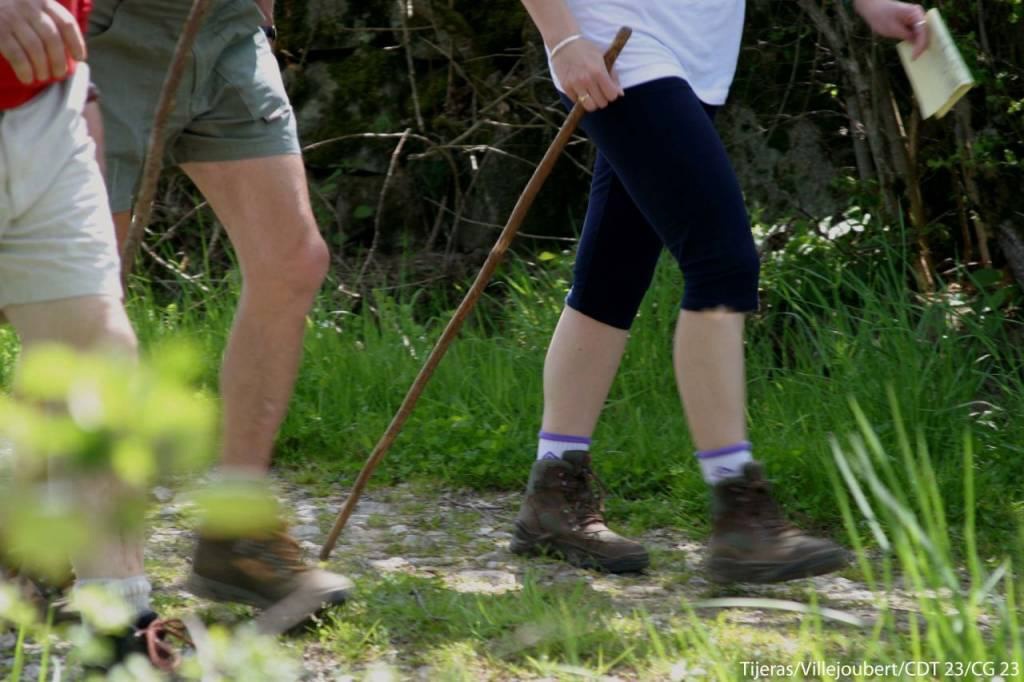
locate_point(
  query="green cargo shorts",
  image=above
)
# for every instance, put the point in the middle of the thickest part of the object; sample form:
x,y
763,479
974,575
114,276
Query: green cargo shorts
x,y
231,104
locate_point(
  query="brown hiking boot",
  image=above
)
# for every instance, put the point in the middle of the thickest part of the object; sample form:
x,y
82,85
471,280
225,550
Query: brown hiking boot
x,y
751,541
268,573
563,514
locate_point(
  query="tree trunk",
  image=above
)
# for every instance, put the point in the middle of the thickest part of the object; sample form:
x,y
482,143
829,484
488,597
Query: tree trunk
x,y
1011,240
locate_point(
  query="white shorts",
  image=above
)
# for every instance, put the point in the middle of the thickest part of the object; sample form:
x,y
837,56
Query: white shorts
x,y
56,233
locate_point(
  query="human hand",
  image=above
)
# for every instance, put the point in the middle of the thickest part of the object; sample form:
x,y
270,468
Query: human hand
x,y
36,37
584,77
898,20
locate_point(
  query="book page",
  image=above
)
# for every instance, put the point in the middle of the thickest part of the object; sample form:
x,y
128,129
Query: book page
x,y
939,76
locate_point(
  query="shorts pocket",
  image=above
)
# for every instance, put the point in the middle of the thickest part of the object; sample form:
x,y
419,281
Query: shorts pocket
x,y
102,18
250,69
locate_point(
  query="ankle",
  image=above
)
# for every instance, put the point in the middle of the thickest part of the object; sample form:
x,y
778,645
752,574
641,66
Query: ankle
x,y
724,463
553,445
133,591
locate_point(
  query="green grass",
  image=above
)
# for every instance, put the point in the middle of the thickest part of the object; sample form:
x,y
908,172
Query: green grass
x,y
959,610
892,420
958,607
829,331
541,629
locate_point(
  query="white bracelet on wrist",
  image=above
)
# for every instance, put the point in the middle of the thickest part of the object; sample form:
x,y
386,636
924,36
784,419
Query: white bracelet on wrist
x,y
563,44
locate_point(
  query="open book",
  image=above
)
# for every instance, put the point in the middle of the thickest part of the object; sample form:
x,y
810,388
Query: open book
x,y
939,76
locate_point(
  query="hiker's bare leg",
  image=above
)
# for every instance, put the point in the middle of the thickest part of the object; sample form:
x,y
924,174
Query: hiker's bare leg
x,y
710,373
581,363
122,221
89,323
264,206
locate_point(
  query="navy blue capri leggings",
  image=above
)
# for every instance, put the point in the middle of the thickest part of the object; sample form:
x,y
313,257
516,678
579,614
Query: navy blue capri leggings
x,y
662,178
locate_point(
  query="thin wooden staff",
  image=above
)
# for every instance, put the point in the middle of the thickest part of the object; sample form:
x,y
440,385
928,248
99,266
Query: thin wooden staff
x,y
157,139
540,175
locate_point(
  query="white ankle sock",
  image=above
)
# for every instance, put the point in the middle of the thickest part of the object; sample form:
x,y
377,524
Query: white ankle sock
x,y
718,465
554,445
134,591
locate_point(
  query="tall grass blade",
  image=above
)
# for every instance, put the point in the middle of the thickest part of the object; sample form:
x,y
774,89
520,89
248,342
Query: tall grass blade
x,y
782,605
859,497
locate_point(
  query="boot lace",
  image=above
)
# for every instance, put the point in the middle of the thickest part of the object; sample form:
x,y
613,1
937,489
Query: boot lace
x,y
159,637
585,493
755,499
284,554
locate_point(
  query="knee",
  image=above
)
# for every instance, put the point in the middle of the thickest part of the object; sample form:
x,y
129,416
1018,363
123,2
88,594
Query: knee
x,y
612,295
313,260
746,268
729,282
614,306
119,338
296,275
113,331
103,326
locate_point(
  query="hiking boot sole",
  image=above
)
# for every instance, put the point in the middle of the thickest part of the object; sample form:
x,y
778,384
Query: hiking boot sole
x,y
214,590
724,570
296,609
217,591
523,545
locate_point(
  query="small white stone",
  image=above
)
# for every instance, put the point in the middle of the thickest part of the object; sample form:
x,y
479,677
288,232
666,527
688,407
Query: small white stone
x,y
306,512
399,528
305,532
486,530
644,590
389,565
491,556
432,561
163,494
492,582
369,507
414,541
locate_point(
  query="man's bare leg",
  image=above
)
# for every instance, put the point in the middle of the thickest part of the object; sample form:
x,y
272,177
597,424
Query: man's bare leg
x,y
91,323
122,221
264,206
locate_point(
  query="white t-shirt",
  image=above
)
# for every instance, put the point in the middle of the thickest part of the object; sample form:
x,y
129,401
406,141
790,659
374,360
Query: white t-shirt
x,y
697,40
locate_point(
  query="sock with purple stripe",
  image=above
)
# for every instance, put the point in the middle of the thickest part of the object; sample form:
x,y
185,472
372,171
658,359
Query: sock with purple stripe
x,y
554,445
723,463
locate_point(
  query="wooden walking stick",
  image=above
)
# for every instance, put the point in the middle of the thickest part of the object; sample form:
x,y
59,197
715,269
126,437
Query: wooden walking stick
x,y
155,151
540,175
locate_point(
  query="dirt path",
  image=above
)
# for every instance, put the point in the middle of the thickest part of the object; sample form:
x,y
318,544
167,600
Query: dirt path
x,y
460,539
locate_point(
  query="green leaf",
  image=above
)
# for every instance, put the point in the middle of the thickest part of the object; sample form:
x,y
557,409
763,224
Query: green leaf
x,y
987,277
363,211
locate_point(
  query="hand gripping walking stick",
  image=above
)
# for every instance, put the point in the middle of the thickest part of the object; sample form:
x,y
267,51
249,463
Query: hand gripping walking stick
x,y
540,175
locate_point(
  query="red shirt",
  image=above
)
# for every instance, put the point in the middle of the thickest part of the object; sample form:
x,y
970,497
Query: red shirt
x,y
14,93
